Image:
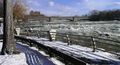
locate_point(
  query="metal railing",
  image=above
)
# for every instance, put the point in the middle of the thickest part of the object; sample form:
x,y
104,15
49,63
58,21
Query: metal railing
x,y
96,43
88,41
67,59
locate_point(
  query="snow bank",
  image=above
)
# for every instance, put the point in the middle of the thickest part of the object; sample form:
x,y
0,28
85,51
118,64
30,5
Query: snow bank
x,y
36,38
81,48
18,59
56,62
107,55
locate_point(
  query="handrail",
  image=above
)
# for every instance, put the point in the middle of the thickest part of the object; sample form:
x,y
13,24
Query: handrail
x,y
95,42
35,43
67,58
52,50
89,41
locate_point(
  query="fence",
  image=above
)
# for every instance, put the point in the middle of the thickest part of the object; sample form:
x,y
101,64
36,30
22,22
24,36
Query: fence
x,y
103,44
67,59
109,45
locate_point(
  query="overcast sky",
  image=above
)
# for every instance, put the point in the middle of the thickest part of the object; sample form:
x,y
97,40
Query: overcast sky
x,y
71,7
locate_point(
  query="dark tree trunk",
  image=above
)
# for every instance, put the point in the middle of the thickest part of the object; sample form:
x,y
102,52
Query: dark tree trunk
x,y
8,36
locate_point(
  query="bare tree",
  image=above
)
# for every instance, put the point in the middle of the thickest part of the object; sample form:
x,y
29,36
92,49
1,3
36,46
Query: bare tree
x,y
19,10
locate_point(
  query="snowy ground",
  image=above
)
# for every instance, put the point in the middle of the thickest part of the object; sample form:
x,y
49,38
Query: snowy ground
x,y
78,51
18,59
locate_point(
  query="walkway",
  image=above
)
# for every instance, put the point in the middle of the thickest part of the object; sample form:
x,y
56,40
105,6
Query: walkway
x,y
33,56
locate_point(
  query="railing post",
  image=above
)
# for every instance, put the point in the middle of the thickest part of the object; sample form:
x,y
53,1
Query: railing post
x,y
30,43
38,35
50,38
93,44
73,18
53,34
68,39
49,19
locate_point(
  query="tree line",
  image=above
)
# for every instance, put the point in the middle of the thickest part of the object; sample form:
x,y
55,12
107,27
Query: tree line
x,y
106,15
